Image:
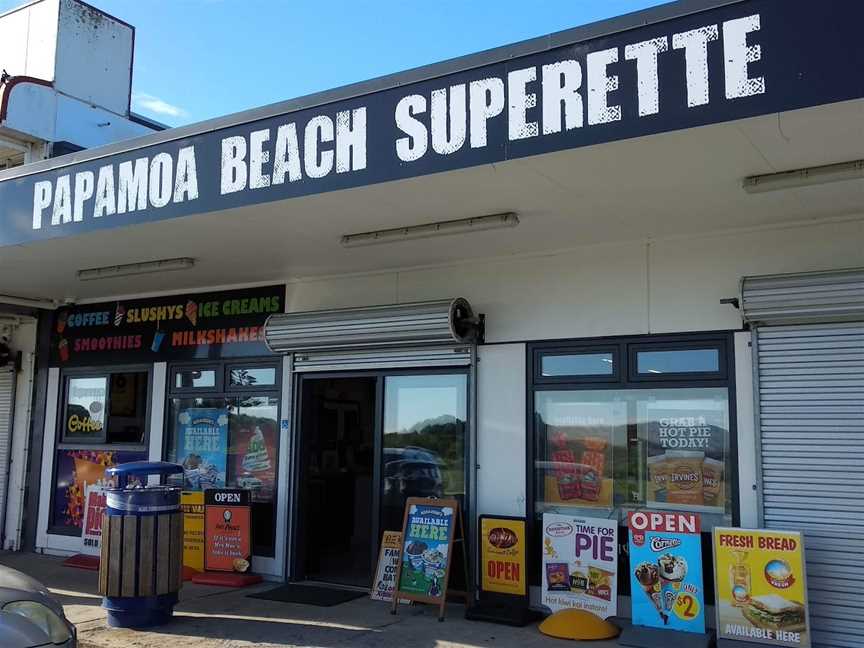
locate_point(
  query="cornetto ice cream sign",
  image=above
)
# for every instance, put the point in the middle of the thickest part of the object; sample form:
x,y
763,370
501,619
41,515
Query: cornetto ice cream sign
x,y
740,60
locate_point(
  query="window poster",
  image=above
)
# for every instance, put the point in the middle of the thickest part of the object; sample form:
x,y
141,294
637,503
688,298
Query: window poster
x,y
686,454
255,447
580,564
666,571
202,446
761,587
75,470
579,444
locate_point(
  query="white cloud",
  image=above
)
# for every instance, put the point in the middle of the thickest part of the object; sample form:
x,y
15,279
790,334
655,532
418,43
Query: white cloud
x,y
144,101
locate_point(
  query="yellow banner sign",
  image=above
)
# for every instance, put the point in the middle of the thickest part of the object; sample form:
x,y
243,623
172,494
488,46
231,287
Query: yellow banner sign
x,y
192,504
502,555
761,587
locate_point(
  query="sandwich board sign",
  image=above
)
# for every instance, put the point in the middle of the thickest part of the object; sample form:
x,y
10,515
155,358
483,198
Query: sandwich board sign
x,y
227,530
761,587
426,552
666,571
580,564
388,565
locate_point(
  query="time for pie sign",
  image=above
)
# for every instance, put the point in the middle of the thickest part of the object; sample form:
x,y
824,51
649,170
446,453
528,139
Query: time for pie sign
x,y
227,530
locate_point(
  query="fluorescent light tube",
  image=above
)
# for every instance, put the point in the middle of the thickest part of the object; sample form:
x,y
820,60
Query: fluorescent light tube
x,y
441,228
806,177
129,269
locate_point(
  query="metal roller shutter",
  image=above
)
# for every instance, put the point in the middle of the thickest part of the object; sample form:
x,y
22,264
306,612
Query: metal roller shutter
x,y
7,407
389,359
811,420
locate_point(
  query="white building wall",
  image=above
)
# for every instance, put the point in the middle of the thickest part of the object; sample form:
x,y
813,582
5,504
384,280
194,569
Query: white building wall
x,y
659,286
28,40
94,57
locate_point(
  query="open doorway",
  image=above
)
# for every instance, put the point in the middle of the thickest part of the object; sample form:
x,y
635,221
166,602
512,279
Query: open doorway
x,y
336,480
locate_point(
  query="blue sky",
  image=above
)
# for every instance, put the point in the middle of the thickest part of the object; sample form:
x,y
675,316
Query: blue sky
x,y
197,59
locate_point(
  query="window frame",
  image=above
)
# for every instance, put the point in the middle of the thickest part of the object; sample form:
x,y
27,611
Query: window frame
x,y
724,340
541,352
66,442
634,349
224,391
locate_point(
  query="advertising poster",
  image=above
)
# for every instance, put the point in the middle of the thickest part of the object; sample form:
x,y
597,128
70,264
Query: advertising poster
x,y
761,587
388,564
202,326
227,530
202,446
426,542
94,506
666,571
256,455
74,470
579,454
686,456
502,555
580,564
192,505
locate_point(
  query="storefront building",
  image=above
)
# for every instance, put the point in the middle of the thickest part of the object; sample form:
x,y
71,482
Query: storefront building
x,y
669,321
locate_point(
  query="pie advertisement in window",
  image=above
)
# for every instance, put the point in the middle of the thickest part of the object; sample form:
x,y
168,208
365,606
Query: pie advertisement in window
x,y
761,587
578,466
686,452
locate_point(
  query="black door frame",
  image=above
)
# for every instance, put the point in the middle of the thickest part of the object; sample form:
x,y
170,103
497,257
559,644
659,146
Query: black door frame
x,y
295,565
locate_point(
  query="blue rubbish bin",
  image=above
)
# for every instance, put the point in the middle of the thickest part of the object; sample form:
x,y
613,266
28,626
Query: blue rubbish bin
x,y
140,573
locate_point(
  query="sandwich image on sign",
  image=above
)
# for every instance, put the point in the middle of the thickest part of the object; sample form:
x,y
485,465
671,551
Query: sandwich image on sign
x,y
773,612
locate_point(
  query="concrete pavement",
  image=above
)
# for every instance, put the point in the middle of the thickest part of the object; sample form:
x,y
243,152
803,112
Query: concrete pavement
x,y
227,618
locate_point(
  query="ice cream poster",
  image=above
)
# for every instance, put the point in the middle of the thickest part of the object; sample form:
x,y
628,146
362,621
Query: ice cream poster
x,y
202,446
666,570
580,564
426,542
761,587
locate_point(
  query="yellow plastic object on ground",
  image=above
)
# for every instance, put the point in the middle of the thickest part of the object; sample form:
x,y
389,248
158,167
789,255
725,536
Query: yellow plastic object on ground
x,y
578,625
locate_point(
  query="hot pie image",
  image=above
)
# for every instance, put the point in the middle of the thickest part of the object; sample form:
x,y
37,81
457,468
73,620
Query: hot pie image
x,y
502,538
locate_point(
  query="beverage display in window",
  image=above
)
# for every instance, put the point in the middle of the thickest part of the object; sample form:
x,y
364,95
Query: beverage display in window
x,y
686,450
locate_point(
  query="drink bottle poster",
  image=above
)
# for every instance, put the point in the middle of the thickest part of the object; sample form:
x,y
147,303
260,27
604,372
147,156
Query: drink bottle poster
x,y
761,587
502,555
427,538
666,571
388,565
580,564
202,446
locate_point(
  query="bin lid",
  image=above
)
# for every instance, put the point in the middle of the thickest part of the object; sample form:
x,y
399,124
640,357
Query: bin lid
x,y
144,468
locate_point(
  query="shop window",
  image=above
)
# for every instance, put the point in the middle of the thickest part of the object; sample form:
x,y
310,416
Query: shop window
x,y
642,442
108,408
250,376
229,440
577,364
193,379
103,420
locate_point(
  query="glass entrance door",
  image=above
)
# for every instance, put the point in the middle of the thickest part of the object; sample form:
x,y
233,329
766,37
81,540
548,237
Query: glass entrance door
x,y
368,443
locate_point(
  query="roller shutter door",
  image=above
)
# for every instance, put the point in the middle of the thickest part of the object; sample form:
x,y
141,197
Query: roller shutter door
x,y
811,419
7,407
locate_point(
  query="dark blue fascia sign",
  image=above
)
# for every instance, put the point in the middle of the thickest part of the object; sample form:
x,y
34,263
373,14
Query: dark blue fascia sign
x,y
739,60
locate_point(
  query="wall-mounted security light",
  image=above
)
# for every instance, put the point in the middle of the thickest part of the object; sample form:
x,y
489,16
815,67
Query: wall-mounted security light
x,y
806,177
441,228
130,269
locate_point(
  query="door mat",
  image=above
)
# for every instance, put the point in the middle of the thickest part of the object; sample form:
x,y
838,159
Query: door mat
x,y
82,561
309,595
